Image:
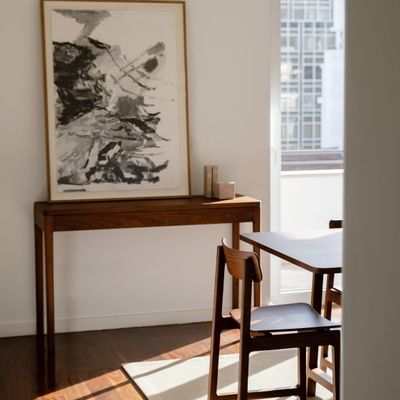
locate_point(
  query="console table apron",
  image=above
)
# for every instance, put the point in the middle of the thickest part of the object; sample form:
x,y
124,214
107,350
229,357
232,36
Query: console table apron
x,y
61,217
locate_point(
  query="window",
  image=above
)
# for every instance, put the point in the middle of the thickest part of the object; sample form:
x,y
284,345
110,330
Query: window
x,y
308,72
308,101
308,131
323,15
311,14
312,90
293,42
331,41
319,42
299,14
312,83
289,101
308,43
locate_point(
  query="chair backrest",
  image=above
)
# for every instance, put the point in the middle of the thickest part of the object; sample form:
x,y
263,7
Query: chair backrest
x,y
239,261
242,265
335,223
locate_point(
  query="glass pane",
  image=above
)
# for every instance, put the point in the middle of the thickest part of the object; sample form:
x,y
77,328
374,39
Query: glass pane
x,y
289,102
308,131
298,14
294,278
293,42
319,42
311,14
312,104
309,43
308,72
312,56
308,101
331,41
323,15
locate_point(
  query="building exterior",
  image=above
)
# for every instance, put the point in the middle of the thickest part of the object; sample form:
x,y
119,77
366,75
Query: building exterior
x,y
312,83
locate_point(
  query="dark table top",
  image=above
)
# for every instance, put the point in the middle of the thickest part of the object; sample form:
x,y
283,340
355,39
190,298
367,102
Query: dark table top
x,y
318,251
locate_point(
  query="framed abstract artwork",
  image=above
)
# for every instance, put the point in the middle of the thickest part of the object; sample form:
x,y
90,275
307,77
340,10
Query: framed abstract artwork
x,y
116,99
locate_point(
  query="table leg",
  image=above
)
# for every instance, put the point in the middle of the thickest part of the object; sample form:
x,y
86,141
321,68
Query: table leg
x,y
316,292
316,302
257,285
39,281
235,282
49,262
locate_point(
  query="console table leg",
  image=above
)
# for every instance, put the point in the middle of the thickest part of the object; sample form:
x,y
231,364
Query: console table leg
x,y
257,285
39,281
235,282
49,259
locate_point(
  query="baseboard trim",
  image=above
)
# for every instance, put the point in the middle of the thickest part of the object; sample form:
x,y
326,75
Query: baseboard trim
x,y
101,322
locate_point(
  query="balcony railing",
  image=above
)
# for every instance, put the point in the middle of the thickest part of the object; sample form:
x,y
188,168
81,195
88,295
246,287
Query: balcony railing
x,y
312,160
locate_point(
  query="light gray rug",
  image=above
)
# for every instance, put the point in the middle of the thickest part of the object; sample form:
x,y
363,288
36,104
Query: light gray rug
x,y
187,379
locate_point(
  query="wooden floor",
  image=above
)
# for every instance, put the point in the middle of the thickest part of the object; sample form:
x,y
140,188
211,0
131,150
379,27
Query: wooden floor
x,y
86,365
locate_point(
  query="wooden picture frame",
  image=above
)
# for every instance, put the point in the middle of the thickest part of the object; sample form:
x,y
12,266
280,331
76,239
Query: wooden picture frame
x,y
115,99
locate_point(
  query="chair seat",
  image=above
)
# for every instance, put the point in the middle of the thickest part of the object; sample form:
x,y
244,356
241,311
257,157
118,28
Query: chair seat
x,y
285,317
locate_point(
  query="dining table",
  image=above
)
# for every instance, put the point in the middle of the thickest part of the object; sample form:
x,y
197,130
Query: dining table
x,y
317,251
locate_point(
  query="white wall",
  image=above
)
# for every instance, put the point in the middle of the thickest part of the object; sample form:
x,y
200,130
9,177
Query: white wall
x,y
372,199
309,199
115,278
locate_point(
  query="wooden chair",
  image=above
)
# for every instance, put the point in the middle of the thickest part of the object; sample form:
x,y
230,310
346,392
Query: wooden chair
x,y
333,295
265,328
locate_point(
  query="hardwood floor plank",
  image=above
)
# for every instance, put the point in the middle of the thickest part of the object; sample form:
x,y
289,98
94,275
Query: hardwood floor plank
x,y
87,364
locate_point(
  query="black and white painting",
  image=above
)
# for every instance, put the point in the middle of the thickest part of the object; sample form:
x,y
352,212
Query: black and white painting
x,y
116,99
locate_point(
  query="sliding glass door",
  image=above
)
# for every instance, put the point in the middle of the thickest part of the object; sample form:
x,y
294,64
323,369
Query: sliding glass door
x,y
311,134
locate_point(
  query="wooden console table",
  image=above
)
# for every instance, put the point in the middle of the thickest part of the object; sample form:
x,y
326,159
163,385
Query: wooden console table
x,y
61,217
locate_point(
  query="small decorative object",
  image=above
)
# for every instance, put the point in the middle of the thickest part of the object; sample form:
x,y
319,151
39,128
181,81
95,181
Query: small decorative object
x,y
208,181
225,190
116,99
214,180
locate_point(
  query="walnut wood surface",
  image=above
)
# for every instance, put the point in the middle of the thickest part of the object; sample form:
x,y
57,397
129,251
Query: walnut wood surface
x,y
318,251
267,328
86,365
285,317
150,213
75,216
98,207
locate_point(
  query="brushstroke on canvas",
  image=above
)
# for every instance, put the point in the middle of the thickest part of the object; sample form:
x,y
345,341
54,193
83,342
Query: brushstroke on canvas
x,y
107,110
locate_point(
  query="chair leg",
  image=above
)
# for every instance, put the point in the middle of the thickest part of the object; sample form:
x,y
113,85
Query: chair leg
x,y
327,315
243,374
336,367
302,368
214,359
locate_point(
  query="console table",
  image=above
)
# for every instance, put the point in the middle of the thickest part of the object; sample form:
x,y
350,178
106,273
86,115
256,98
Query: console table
x,y
74,216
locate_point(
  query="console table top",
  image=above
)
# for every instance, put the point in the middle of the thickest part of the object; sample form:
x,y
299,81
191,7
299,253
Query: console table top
x,y
121,206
